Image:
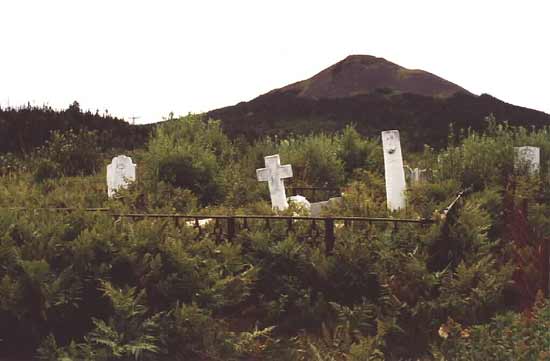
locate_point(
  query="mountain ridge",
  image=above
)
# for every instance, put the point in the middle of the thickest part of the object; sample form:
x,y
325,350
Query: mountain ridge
x,y
364,74
422,105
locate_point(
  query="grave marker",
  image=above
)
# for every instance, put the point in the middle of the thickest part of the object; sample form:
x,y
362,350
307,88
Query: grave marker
x,y
393,170
416,175
529,157
318,207
273,174
120,173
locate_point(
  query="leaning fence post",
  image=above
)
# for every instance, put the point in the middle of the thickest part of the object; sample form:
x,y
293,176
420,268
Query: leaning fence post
x,y
230,228
329,235
546,265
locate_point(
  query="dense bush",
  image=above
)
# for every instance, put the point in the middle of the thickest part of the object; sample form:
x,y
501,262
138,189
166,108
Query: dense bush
x,y
509,336
360,153
188,153
314,160
70,154
89,286
46,169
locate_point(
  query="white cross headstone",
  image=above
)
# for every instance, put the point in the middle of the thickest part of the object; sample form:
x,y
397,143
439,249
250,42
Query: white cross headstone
x,y
273,174
528,157
393,170
120,172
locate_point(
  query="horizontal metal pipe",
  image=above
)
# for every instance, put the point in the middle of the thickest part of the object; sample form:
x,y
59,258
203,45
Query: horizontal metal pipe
x,y
201,216
352,219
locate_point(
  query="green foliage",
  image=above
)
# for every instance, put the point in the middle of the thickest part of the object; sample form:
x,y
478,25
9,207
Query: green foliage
x,y
484,159
365,197
46,169
11,164
127,334
69,153
84,286
360,153
315,159
188,153
510,336
192,333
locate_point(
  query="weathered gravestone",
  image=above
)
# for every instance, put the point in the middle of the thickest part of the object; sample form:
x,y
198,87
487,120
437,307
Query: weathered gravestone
x,y
273,174
318,207
528,157
393,170
120,173
416,175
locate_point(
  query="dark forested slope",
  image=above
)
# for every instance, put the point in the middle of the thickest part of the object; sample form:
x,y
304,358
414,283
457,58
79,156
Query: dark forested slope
x,y
24,129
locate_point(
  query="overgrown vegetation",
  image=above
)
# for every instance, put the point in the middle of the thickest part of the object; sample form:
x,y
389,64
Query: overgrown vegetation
x,y
26,128
86,286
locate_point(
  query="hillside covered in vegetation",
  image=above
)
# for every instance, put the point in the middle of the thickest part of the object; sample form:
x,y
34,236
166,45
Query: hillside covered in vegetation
x,y
84,277
371,93
26,128
375,95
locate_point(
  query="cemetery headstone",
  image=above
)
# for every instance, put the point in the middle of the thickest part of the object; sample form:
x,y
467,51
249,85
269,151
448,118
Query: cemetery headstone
x,y
416,175
318,207
528,157
273,174
393,170
120,173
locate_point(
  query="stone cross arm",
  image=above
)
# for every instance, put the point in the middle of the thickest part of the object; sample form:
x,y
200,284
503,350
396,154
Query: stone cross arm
x,y
282,172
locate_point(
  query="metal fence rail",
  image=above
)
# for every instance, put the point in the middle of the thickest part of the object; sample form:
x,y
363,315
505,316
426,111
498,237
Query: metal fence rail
x,y
313,191
227,226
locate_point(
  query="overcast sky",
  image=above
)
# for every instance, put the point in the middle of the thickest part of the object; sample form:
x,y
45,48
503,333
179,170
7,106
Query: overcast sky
x,y
150,58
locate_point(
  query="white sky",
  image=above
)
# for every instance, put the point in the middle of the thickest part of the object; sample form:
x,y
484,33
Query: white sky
x,y
148,58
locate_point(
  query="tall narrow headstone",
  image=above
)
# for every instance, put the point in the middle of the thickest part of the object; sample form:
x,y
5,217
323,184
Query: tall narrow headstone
x,y
120,172
393,170
528,157
273,174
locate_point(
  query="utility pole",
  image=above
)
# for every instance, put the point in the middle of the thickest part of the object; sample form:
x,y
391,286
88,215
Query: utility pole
x,y
134,119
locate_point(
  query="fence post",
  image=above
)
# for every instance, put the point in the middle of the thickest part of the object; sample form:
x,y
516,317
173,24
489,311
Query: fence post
x,y
230,228
329,235
546,265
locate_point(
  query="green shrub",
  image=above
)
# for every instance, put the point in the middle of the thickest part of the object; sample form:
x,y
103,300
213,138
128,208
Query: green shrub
x,y
359,153
46,169
509,336
128,334
197,175
73,153
188,153
314,160
10,164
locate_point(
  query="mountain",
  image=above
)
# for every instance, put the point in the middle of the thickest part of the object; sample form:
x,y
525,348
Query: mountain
x,y
376,95
365,74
